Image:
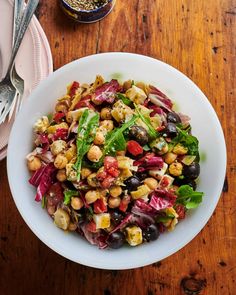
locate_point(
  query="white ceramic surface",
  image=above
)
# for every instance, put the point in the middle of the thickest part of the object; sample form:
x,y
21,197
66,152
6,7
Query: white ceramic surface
x,y
33,61
190,100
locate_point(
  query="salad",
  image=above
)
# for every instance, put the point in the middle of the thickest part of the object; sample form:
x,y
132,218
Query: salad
x,y
115,163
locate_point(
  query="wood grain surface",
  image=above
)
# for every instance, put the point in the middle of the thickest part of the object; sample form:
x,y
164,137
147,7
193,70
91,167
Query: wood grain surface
x,y
199,39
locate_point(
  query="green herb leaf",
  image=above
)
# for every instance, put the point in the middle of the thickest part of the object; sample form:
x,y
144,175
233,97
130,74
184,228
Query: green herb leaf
x,y
146,120
86,132
188,140
90,210
163,219
188,197
43,202
68,194
125,100
146,148
50,116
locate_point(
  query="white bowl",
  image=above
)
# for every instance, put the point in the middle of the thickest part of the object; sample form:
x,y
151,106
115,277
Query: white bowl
x,y
190,101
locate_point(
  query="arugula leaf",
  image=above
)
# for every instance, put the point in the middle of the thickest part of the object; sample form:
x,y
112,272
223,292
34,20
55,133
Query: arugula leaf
x,y
115,141
188,140
86,132
112,139
119,142
68,194
146,120
125,100
188,197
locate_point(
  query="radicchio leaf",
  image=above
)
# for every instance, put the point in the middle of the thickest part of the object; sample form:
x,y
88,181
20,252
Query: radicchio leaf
x,y
94,238
149,162
43,179
162,99
162,199
126,220
106,92
43,141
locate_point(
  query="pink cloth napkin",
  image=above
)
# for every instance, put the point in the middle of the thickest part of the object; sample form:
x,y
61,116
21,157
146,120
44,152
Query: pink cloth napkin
x,y
33,62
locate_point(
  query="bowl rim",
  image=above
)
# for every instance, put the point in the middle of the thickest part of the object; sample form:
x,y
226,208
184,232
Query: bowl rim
x,y
149,260
84,10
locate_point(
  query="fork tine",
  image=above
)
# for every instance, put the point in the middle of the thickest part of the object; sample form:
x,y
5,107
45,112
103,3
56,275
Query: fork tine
x,y
13,106
5,112
19,104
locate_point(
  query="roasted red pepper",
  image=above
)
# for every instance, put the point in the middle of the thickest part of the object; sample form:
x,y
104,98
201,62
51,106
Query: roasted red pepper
x,y
134,148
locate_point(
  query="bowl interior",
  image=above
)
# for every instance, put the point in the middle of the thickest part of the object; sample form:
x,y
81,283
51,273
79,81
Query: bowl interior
x,y
189,100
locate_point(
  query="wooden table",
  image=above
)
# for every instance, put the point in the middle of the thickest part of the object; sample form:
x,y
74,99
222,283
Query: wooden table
x,y
199,39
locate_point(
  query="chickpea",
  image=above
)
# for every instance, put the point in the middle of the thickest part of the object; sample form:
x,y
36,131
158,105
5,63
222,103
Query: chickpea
x,y
61,175
60,161
170,157
107,124
127,85
85,172
179,149
114,202
99,138
76,203
34,163
72,226
92,180
115,191
94,154
57,146
91,196
41,124
175,169
151,183
106,114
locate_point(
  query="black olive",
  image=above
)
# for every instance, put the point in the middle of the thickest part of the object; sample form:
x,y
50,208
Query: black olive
x,y
170,130
151,233
139,134
142,175
173,118
192,183
132,183
116,240
192,171
116,217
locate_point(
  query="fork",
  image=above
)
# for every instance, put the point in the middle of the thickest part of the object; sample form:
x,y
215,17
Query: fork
x,y
17,81
7,89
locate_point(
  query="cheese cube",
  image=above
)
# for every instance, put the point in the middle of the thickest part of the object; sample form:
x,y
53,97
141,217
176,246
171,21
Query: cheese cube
x,y
102,220
158,173
137,95
134,235
141,192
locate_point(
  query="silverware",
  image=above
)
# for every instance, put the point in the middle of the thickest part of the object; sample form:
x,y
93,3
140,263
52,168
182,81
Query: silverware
x,y
17,81
7,89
